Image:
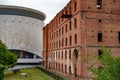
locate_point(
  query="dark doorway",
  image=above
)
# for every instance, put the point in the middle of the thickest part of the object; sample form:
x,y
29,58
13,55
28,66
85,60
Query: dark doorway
x,y
75,72
75,57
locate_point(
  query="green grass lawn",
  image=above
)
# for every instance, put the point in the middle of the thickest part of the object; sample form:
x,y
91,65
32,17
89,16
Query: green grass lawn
x,y
32,74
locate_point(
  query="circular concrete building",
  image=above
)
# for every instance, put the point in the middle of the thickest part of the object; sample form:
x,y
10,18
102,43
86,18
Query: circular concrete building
x,y
21,30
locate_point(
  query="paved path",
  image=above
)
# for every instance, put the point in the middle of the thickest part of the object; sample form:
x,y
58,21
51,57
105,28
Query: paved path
x,y
24,66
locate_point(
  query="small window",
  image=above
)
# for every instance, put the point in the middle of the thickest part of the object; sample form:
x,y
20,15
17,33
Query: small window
x,y
75,23
66,12
59,67
66,41
100,37
75,36
114,1
59,55
69,54
99,20
65,68
59,43
66,54
62,55
69,69
62,42
119,36
59,20
56,55
56,66
62,30
99,4
56,33
99,53
59,32
70,10
70,24
70,40
66,27
62,67
75,6
56,44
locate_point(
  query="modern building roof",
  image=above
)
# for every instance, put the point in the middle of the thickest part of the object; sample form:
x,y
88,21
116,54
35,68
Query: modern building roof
x,y
22,11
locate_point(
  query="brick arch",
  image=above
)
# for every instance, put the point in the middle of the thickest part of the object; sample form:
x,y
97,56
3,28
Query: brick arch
x,y
75,54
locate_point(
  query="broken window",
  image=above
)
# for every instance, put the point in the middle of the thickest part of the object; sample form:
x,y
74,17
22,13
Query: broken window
x,y
119,36
99,37
99,4
99,53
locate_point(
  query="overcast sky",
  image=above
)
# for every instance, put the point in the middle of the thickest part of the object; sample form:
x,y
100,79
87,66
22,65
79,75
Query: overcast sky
x,y
49,7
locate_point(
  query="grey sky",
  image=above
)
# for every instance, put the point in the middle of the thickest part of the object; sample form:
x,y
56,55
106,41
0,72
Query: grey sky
x,y
49,7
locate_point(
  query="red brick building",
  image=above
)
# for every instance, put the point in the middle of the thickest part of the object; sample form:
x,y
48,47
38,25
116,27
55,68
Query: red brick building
x,y
80,28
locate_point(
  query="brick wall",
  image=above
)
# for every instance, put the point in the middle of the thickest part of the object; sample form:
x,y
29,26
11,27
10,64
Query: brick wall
x,y
67,57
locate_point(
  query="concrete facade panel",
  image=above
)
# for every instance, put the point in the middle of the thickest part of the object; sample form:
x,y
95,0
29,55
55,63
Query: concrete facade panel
x,y
21,32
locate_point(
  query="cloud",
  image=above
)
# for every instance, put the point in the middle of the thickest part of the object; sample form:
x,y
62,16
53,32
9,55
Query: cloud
x,y
49,7
2,1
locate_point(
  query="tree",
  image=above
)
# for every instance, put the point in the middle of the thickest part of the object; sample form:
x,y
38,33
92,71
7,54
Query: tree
x,y
7,59
108,66
1,72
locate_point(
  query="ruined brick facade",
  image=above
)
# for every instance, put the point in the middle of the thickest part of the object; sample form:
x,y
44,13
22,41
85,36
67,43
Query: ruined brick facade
x,y
80,28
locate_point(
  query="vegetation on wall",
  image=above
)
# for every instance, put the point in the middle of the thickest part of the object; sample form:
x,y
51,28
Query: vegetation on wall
x,y
108,66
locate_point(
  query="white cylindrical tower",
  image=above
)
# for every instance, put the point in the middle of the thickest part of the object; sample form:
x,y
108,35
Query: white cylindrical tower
x,y
21,30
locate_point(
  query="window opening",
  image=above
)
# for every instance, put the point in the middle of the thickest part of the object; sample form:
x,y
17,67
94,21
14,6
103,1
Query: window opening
x,y
119,36
99,4
99,53
100,37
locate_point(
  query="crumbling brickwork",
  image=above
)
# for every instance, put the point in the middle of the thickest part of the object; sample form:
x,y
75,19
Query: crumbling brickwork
x,y
80,28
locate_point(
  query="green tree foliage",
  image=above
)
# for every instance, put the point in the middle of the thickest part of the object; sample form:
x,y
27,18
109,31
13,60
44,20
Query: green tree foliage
x,y
108,66
1,72
7,58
